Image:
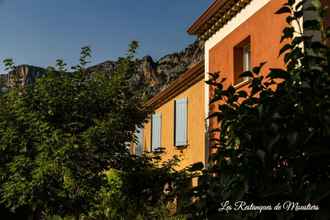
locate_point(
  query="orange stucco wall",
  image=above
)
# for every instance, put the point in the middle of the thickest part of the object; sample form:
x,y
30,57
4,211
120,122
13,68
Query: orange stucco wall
x,y
264,29
195,151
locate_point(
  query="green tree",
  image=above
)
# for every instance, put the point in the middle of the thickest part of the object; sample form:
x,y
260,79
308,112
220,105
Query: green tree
x,y
274,139
143,190
59,135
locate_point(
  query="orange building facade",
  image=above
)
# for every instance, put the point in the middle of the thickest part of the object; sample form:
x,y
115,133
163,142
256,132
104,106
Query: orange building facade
x,y
238,35
177,126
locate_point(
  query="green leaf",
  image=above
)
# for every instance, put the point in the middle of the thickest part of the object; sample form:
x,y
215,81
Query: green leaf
x,y
289,19
287,33
278,74
299,5
257,69
242,94
196,167
283,10
246,74
291,2
285,48
298,14
9,64
297,41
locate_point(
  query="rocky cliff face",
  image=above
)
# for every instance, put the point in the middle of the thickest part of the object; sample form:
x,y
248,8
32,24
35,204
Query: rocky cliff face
x,y
25,74
157,75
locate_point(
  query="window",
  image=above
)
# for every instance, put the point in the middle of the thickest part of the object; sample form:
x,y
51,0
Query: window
x,y
156,124
180,122
242,60
139,142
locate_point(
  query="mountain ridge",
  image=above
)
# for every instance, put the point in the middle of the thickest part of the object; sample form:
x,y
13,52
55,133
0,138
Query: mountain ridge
x,y
156,75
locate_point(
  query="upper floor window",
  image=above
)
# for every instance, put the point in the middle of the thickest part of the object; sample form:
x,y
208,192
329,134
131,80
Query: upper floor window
x,y
180,122
242,60
156,125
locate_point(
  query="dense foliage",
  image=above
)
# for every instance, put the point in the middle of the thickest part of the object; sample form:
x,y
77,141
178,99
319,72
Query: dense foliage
x,y
59,135
273,144
145,189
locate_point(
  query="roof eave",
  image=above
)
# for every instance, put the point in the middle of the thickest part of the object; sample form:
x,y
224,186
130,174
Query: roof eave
x,y
210,12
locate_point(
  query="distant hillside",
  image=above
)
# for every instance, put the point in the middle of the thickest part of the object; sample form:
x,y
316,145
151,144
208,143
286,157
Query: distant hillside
x,y
155,74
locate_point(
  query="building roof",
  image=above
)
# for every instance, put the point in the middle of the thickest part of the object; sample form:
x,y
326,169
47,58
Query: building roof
x,y
187,79
215,17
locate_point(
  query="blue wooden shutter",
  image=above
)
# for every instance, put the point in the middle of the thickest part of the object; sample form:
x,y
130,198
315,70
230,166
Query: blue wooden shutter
x,y
181,122
156,131
139,144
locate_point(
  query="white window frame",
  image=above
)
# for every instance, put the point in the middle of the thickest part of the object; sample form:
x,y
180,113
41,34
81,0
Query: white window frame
x,y
246,58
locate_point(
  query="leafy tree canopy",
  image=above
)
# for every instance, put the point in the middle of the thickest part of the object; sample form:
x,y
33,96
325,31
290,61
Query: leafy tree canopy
x,y
59,135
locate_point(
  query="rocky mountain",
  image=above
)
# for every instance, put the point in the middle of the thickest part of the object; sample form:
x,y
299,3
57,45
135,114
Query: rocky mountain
x,y
26,74
157,75
23,75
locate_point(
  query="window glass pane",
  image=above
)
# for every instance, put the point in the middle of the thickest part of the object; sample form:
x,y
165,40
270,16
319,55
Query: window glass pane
x,y
246,58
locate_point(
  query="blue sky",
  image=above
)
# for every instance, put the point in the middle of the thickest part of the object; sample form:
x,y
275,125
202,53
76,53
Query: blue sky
x,y
38,32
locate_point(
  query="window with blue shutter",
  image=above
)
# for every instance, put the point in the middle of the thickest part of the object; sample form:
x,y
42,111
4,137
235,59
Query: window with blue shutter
x,y
139,142
180,122
156,125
